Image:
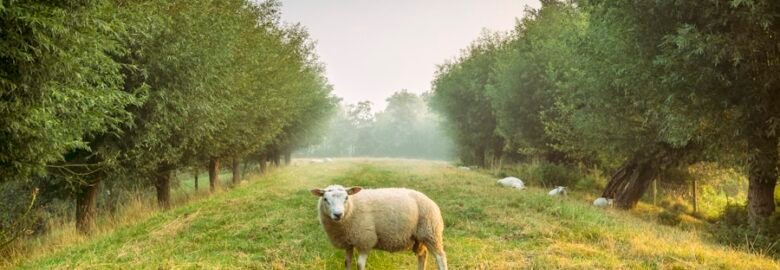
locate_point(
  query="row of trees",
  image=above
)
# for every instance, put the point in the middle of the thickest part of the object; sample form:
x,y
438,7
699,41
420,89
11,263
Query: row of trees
x,y
405,128
637,86
95,91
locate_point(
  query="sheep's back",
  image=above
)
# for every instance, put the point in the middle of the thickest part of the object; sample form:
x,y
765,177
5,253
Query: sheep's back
x,y
395,214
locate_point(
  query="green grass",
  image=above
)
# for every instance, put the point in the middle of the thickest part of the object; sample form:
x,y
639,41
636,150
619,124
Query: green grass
x,y
271,223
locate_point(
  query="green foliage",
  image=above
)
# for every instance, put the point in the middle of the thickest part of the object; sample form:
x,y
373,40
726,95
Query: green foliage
x,y
733,229
459,94
521,92
672,212
660,84
127,91
58,81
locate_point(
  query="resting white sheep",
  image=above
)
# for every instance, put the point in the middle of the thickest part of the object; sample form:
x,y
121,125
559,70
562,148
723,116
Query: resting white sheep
x,y
557,191
512,182
602,202
389,219
464,168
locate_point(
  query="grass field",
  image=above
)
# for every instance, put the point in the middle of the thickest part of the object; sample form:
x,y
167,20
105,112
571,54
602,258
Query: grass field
x,y
271,223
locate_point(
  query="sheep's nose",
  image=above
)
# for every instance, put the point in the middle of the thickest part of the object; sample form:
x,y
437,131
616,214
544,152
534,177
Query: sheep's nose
x,y
337,216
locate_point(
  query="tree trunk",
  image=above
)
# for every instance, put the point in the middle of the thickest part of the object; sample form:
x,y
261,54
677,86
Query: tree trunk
x,y
277,160
213,174
287,158
630,182
263,163
86,207
655,190
498,154
236,168
618,181
196,179
479,157
695,198
762,178
638,183
245,169
162,184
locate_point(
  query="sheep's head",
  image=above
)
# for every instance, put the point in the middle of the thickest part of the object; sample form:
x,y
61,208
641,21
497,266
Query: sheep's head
x,y
334,200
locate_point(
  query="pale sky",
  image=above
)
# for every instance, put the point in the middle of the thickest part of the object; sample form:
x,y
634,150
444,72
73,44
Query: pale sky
x,y
372,48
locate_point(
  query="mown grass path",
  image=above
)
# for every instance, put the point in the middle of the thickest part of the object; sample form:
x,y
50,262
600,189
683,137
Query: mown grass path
x,y
271,223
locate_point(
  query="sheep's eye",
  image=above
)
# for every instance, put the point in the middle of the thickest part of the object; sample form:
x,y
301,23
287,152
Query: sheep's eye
x,y
325,199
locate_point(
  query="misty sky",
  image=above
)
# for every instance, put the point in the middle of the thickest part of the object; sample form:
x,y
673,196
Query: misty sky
x,y
374,48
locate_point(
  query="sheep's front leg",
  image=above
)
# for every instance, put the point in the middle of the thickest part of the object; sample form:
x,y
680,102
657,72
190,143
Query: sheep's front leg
x,y
362,257
348,258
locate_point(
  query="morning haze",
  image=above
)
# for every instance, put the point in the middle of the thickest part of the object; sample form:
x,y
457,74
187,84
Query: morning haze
x,y
374,48
206,134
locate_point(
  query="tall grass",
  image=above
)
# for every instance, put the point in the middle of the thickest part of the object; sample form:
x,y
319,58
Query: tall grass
x,y
133,206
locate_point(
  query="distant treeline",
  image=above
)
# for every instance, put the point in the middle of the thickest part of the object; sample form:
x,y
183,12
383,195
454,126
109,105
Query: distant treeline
x,y
95,92
406,128
636,87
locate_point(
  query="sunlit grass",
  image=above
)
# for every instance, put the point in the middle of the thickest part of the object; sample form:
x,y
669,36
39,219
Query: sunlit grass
x,y
138,207
271,223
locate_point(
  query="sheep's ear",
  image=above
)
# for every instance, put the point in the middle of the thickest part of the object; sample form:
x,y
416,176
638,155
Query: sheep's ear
x,y
354,190
317,192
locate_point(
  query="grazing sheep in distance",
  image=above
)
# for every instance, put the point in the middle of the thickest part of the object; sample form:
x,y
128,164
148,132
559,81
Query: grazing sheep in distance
x,y
389,219
464,168
512,182
602,202
328,160
557,191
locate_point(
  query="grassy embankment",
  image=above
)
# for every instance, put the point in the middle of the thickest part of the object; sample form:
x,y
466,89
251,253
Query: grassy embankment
x,y
271,223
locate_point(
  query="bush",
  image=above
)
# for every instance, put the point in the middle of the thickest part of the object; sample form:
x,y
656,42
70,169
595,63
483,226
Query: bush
x,y
670,218
672,212
734,230
15,198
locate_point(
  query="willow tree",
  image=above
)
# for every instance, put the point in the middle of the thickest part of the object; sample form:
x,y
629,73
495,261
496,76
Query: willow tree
x,y
719,62
610,104
460,96
524,79
305,127
281,92
184,64
58,82
253,90
664,82
60,89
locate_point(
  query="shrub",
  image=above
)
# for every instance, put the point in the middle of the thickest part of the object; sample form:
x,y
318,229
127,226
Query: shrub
x,y
672,212
733,229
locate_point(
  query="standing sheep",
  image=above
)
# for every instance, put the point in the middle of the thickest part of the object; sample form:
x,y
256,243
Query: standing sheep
x,y
389,219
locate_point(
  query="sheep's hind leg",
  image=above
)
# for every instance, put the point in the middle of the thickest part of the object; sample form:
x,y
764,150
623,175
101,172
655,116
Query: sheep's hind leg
x,y
362,257
438,252
441,260
348,258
